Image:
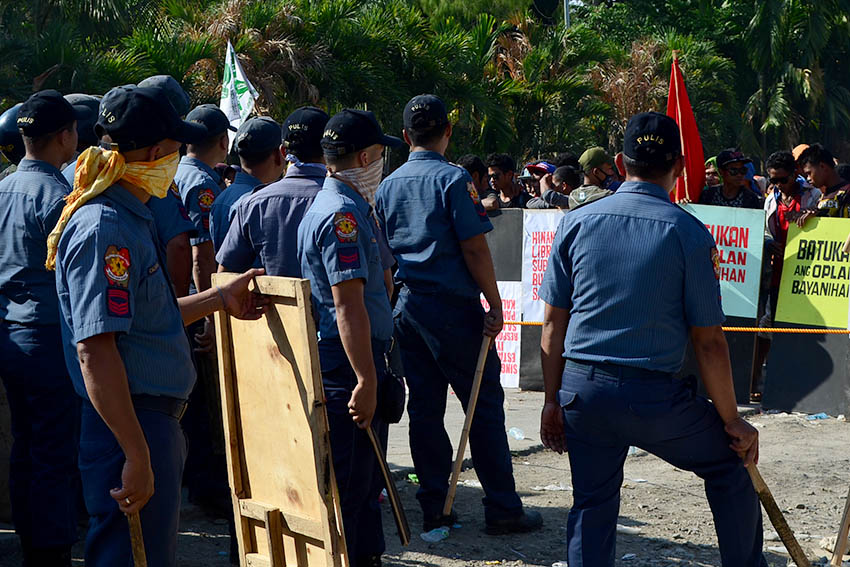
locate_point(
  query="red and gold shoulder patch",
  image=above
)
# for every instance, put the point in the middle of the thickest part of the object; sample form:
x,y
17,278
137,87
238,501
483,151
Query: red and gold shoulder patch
x,y
174,190
345,227
205,199
715,259
473,193
117,266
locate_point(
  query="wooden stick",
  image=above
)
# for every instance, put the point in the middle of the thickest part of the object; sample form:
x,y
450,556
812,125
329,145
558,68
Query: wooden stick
x,y
846,247
777,519
137,541
843,532
470,412
392,491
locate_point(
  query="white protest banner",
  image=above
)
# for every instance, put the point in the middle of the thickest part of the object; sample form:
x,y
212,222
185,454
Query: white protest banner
x,y
739,234
508,341
538,233
237,92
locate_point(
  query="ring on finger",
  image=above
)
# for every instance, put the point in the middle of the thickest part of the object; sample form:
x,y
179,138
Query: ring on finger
x,y
127,501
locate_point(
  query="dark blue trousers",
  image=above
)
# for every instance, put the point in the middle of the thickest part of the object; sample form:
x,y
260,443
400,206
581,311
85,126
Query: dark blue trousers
x,y
101,463
440,338
358,475
44,479
607,408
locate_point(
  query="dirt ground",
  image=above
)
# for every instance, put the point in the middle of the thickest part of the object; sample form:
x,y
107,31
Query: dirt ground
x,y
804,462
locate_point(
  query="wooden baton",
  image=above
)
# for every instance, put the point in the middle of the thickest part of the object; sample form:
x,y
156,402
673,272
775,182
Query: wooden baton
x,y
841,541
470,412
392,492
137,541
846,247
777,519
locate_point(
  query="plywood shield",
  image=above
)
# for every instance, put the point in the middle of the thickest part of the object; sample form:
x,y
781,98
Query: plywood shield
x,y
285,501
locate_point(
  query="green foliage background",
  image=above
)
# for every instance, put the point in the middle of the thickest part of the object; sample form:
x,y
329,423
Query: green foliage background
x,y
761,74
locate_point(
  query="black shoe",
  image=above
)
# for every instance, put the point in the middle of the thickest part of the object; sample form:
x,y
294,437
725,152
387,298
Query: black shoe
x,y
47,557
527,522
429,524
368,561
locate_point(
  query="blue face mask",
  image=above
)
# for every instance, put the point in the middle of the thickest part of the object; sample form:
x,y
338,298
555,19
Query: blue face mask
x,y
611,183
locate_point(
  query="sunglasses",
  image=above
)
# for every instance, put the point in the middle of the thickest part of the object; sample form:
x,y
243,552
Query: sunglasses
x,y
494,176
779,180
737,170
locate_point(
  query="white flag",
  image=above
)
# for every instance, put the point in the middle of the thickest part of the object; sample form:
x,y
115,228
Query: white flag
x,y
237,92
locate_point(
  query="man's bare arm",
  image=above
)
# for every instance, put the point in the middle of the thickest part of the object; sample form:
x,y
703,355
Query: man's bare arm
x,y
555,321
178,254
203,265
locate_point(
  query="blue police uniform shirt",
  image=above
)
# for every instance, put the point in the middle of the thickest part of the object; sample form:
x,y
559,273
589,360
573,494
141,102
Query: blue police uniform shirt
x,y
31,201
337,243
111,278
265,223
425,208
632,299
223,209
169,214
198,184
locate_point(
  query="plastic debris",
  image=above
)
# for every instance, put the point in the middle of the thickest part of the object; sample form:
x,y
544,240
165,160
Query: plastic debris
x,y
816,416
516,433
627,530
560,564
470,483
382,496
629,557
638,480
771,536
412,478
552,488
633,450
436,535
492,563
523,555
841,417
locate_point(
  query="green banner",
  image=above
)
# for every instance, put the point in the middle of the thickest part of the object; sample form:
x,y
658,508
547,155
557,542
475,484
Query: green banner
x,y
815,275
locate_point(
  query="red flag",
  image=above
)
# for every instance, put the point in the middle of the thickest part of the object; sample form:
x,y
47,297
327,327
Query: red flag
x,y
679,109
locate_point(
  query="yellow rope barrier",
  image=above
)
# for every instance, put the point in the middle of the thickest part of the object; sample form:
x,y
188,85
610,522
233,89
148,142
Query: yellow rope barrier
x,y
733,329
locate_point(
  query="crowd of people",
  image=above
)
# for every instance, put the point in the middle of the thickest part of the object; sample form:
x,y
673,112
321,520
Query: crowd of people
x,y
120,208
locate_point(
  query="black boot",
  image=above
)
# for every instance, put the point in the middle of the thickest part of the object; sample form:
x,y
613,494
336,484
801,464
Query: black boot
x,y
526,522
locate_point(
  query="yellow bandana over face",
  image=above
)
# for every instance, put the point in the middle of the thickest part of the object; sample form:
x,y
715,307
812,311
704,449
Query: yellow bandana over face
x,y
98,170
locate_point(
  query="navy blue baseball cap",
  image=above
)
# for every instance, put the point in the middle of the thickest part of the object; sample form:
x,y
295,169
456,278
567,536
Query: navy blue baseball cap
x,y
257,135
172,89
425,111
11,142
352,130
212,118
652,138
305,127
138,117
46,112
731,155
85,126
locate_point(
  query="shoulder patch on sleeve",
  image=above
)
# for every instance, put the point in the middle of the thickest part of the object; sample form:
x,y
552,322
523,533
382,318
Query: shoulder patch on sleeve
x,y
715,260
349,257
345,227
118,302
205,198
473,193
116,266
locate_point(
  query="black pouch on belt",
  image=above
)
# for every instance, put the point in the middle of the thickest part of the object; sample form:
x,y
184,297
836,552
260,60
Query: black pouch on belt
x,y
391,392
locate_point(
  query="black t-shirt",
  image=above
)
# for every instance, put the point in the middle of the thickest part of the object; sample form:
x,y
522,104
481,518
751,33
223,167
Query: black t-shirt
x,y
518,202
746,198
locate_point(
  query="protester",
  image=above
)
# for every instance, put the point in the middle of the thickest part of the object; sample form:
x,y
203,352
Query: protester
x,y
735,190
435,225
502,175
599,170
531,175
43,474
258,144
340,255
556,189
712,173
265,225
122,327
609,383
787,201
567,159
819,167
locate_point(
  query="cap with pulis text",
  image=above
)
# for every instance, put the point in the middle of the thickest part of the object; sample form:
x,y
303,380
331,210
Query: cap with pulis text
x,y
46,112
137,117
352,130
425,111
258,135
305,127
652,138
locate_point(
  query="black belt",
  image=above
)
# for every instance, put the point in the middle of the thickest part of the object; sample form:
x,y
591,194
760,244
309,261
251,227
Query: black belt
x,y
625,372
174,407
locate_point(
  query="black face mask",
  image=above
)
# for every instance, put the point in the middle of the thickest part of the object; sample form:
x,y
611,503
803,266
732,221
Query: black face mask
x,y
610,182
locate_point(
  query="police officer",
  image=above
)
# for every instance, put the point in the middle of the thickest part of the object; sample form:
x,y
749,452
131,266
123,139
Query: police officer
x,y
617,321
45,413
265,223
258,145
11,143
435,226
85,127
178,97
338,249
109,275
